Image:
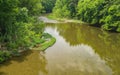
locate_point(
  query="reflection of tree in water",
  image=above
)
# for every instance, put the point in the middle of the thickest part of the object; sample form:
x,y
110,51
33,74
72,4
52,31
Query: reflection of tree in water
x,y
43,63
106,44
2,73
32,63
111,50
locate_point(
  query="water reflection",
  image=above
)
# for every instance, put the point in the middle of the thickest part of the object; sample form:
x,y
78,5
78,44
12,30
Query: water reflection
x,y
104,43
79,50
32,63
80,60
2,73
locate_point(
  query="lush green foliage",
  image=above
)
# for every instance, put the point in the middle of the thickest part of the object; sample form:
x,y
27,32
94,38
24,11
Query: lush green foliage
x,y
105,13
48,5
111,15
88,11
19,28
4,56
65,8
34,6
102,13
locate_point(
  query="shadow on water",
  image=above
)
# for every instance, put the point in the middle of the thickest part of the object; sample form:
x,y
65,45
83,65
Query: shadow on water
x,y
2,73
30,63
18,59
106,44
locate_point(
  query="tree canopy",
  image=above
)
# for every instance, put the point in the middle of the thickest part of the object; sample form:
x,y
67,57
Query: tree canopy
x,y
19,28
102,13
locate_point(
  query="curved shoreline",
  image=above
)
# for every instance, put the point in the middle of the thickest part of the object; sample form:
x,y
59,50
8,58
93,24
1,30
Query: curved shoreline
x,y
48,42
46,19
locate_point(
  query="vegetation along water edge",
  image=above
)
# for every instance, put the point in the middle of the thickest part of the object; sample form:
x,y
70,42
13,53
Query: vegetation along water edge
x,y
20,28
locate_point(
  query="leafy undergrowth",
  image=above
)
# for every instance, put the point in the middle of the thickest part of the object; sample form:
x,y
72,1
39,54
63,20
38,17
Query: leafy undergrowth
x,y
4,56
46,41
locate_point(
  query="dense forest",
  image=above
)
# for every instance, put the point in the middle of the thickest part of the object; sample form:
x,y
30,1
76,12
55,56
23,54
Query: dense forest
x,y
19,25
100,13
21,29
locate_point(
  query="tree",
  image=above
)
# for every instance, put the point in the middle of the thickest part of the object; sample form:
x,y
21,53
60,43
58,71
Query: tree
x,y
65,8
48,5
104,13
19,28
34,6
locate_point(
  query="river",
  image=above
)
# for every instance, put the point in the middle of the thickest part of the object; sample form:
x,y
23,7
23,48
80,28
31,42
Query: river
x,y
79,50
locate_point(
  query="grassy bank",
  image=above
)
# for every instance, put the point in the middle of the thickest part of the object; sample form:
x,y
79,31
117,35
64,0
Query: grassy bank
x,y
46,41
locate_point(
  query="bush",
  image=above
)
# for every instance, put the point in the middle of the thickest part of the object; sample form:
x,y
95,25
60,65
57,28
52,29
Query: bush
x,y
4,56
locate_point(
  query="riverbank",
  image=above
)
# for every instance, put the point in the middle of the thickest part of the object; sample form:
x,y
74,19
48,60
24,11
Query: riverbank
x,y
46,41
69,20
63,20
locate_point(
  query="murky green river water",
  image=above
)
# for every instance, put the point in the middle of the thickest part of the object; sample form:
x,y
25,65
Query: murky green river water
x,y
79,50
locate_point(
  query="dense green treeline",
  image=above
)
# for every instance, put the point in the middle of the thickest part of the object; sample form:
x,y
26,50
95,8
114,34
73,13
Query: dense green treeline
x,y
65,8
34,6
102,13
19,27
48,5
105,13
